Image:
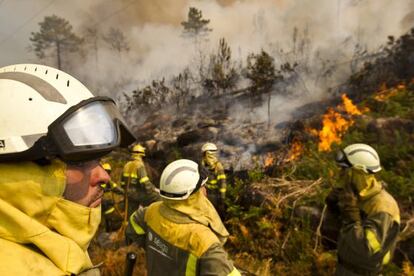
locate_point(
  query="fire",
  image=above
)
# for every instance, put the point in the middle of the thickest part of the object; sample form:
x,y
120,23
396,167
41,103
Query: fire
x,y
268,160
384,93
350,108
295,151
334,125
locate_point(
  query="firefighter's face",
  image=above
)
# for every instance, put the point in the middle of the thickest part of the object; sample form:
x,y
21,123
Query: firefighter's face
x,y
83,183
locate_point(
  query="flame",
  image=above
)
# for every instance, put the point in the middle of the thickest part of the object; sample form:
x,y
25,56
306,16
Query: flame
x,y
401,86
385,93
350,108
334,125
269,159
295,151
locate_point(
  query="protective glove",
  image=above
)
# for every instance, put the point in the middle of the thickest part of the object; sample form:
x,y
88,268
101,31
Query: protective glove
x,y
348,204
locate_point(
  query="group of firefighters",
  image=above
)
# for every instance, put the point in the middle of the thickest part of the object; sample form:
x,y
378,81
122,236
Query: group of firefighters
x,y
136,188
54,133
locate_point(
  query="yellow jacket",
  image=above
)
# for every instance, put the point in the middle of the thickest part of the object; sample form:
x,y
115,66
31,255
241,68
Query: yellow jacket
x,y
216,177
363,247
182,237
40,232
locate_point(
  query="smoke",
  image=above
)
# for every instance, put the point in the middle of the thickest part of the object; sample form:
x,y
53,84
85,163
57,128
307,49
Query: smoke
x,y
316,34
329,29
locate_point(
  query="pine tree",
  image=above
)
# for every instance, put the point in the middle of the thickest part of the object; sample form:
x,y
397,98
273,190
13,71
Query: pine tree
x,y
55,35
92,37
196,26
116,40
262,75
261,72
222,74
182,88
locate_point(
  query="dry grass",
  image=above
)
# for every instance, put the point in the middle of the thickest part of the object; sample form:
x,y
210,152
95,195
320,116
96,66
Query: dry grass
x,y
113,259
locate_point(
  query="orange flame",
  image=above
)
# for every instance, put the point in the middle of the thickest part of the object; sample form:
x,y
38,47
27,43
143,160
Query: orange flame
x,y
295,151
350,108
268,160
384,94
334,125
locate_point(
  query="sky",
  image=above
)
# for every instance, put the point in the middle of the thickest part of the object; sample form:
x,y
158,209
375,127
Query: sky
x,y
155,21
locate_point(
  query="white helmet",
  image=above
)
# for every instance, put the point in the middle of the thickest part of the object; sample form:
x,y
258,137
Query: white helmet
x,y
182,178
209,147
46,113
360,156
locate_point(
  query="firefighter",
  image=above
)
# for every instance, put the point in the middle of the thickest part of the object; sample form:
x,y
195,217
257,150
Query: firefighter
x,y
369,214
136,183
53,133
216,185
111,216
182,234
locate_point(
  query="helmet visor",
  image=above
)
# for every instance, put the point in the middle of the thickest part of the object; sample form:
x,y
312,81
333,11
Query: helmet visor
x,y
89,130
92,125
342,160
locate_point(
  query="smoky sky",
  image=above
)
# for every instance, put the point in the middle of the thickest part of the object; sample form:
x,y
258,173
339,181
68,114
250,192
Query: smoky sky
x,y
158,49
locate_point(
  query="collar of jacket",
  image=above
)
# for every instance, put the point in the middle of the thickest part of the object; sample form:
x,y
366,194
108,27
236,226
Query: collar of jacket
x,y
37,214
377,200
195,208
372,187
137,156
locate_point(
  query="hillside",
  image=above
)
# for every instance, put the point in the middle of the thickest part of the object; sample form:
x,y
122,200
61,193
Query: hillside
x,y
276,216
280,175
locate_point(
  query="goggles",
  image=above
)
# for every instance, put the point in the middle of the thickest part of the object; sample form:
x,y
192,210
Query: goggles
x,y
342,160
86,131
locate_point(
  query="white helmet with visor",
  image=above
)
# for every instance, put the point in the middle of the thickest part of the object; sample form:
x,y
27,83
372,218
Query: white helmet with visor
x,y
209,147
46,113
360,156
182,178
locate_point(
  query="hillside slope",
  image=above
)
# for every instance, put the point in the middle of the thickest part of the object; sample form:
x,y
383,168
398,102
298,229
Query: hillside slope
x,y
275,203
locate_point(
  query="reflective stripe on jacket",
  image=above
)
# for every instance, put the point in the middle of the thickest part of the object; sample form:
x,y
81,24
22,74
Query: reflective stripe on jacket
x,y
135,170
140,187
217,177
185,248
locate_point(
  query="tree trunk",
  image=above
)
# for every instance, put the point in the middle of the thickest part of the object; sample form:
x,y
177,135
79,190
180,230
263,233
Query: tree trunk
x,y
59,64
269,97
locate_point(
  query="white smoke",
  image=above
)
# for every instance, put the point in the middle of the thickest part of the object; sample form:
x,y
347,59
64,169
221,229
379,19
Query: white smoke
x,y
158,49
